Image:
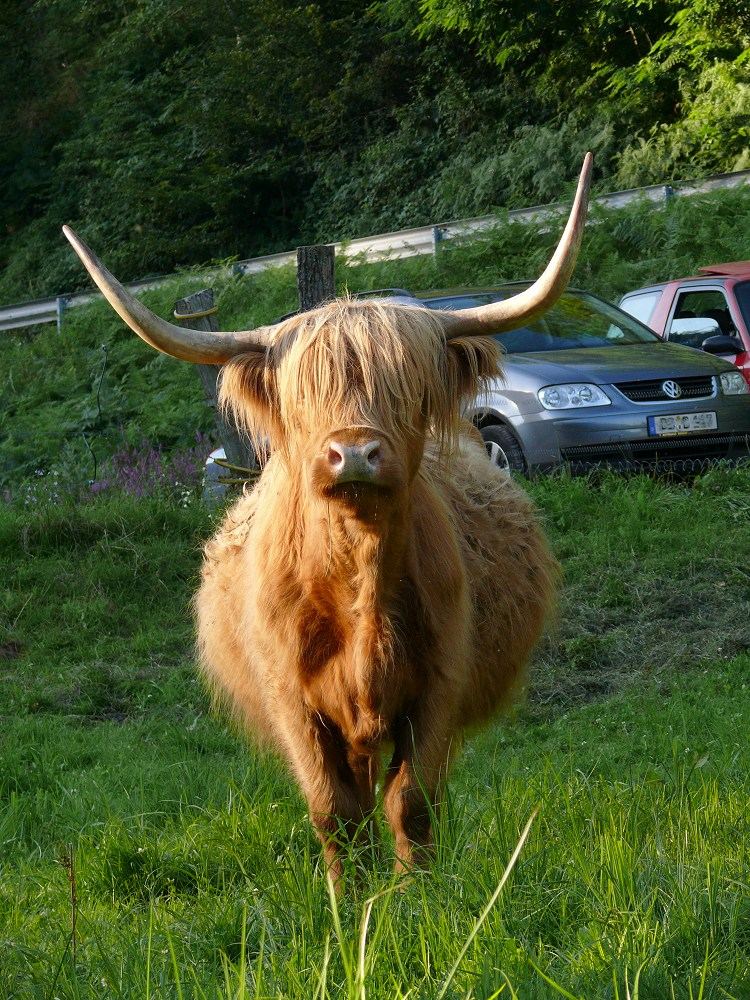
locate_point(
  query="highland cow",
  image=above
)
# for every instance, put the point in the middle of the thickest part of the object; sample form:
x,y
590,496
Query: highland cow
x,y
383,585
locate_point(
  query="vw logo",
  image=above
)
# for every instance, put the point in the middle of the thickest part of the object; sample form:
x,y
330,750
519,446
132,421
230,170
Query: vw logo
x,y
671,389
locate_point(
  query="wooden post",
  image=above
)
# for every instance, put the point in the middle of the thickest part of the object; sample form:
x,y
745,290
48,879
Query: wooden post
x,y
197,312
315,275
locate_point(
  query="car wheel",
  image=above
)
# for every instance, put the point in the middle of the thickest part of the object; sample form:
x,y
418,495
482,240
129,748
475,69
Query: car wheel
x,y
503,449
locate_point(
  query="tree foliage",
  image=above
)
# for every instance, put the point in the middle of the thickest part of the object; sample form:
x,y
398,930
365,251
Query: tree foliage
x,y
174,133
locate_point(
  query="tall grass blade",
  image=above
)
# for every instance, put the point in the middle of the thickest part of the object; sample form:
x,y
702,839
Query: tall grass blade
x,y
493,899
149,945
343,946
321,991
704,973
175,966
555,986
362,955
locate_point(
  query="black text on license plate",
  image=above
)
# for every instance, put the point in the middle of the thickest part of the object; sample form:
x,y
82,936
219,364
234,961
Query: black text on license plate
x,y
681,423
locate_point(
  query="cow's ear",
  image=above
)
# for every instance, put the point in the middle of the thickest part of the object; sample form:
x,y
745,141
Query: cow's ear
x,y
248,392
472,361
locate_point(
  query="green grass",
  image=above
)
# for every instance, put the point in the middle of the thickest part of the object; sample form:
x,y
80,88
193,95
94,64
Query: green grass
x,y
196,870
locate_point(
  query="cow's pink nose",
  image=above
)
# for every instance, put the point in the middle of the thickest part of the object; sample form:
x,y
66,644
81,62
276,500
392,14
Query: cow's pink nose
x,y
353,461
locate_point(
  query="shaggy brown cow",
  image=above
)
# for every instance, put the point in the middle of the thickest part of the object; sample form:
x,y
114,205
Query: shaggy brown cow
x,y
383,584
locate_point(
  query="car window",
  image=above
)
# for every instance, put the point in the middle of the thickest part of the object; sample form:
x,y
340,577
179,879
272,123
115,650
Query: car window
x,y
742,294
700,314
576,320
641,305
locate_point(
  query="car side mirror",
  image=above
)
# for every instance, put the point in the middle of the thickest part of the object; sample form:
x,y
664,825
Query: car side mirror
x,y
694,325
722,345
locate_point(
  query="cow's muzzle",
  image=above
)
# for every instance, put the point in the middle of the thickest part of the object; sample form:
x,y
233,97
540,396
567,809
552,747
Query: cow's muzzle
x,y
354,463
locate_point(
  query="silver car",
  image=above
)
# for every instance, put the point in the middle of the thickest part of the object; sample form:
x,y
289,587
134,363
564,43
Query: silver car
x,y
587,385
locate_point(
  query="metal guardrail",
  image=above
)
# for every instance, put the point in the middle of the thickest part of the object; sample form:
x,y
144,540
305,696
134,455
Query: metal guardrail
x,y
385,246
51,310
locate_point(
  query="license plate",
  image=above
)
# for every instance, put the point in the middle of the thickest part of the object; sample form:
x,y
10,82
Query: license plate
x,y
681,423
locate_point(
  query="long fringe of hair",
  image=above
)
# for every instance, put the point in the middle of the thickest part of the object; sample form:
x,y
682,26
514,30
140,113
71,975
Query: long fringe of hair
x,y
357,361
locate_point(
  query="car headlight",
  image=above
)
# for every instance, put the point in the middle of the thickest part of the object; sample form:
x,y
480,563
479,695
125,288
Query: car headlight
x,y
733,383
572,396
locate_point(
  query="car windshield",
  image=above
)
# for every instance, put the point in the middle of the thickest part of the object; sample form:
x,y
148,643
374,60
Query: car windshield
x,y
576,320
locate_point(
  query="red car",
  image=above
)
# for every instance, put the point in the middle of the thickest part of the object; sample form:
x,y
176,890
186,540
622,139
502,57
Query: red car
x,y
710,311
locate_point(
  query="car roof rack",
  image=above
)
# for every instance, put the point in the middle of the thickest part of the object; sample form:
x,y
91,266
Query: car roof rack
x,y
384,292
380,292
735,267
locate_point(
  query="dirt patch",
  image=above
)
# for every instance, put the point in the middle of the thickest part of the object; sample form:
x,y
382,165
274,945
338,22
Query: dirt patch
x,y
100,692
655,627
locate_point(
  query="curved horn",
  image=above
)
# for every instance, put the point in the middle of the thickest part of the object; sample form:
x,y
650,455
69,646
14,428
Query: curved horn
x,y
200,347
496,317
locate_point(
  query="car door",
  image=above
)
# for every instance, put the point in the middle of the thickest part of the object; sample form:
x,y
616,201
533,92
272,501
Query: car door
x,y
699,312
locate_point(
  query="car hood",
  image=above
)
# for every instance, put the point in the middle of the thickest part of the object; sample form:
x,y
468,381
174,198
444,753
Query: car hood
x,y
607,365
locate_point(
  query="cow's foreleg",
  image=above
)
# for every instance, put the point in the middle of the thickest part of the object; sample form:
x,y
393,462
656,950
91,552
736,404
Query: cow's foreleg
x,y
415,775
339,791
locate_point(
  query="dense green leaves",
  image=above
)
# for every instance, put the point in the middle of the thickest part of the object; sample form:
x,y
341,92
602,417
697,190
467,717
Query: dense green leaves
x,y
173,133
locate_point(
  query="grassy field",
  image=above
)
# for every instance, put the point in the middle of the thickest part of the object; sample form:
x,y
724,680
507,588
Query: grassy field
x,y
196,871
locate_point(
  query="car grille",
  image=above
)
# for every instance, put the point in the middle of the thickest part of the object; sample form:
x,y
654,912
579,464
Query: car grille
x,y
651,391
689,453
